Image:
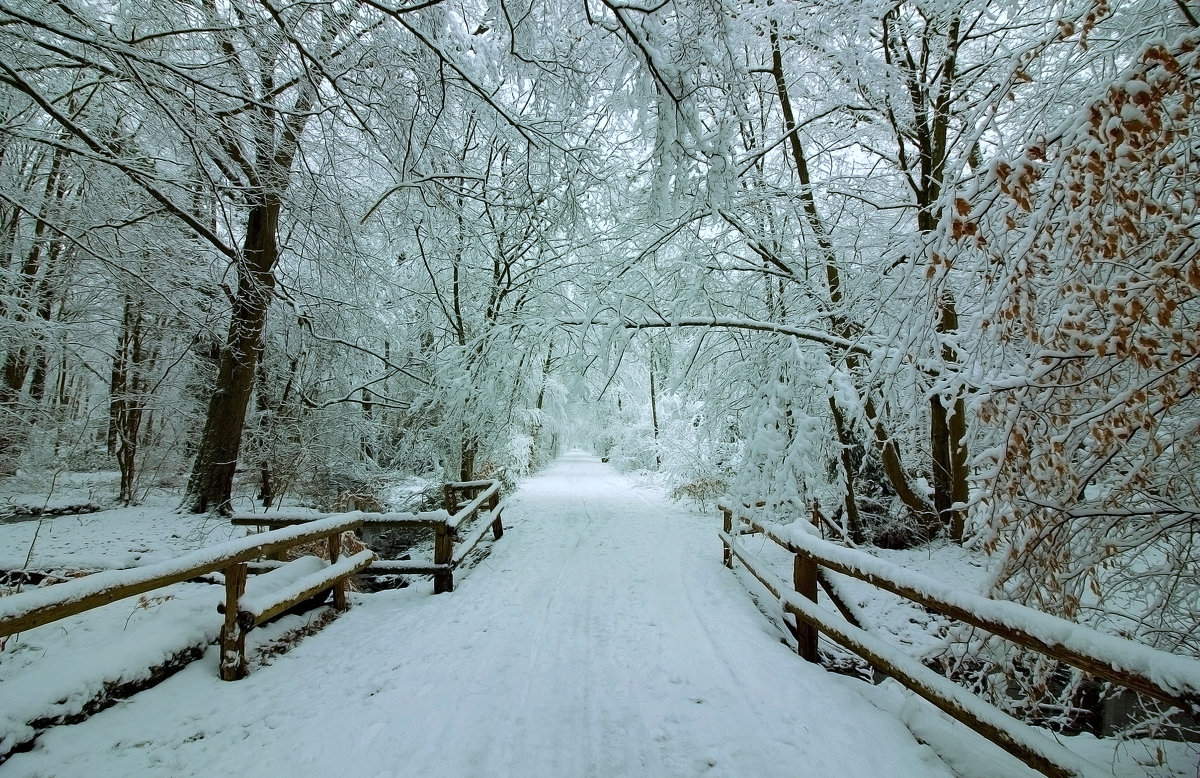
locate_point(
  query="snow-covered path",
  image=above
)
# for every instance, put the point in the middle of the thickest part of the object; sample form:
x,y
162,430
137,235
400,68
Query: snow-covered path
x,y
600,637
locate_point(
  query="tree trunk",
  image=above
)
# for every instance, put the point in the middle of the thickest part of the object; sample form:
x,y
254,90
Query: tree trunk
x,y
118,380
266,491
266,426
939,447
368,435
931,99
211,484
130,425
846,444
654,417
947,430
466,470
893,467
950,439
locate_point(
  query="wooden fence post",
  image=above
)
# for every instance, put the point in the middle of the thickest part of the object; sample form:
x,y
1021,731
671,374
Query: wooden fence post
x,y
497,523
450,498
233,637
443,554
727,524
804,576
339,588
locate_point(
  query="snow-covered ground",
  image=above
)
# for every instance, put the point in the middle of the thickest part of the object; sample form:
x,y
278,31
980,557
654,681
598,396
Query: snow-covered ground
x,y
126,537
601,636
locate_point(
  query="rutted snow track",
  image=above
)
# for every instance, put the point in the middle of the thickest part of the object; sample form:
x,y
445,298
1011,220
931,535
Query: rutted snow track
x,y
600,637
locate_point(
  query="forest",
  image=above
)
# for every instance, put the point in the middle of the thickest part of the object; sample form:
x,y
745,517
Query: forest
x,y
925,267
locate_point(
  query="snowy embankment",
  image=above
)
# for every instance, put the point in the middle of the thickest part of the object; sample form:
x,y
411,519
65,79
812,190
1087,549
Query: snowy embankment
x,y
62,671
600,636
70,667
56,672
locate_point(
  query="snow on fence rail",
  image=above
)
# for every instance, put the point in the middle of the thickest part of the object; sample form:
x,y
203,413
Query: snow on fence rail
x,y
1166,677
27,610
464,501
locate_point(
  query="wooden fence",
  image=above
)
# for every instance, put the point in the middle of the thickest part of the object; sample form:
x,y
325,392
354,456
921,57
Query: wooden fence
x,y
251,600
452,540
292,584
1171,679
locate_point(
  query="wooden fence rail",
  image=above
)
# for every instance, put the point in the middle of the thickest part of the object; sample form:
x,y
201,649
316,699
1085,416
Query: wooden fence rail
x,y
464,501
1166,677
24,611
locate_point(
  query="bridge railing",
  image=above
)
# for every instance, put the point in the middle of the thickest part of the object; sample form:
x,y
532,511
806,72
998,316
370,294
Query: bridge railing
x,y
452,540
35,608
1171,679
252,600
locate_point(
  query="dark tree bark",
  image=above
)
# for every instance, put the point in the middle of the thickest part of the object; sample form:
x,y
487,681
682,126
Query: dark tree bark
x,y
368,411
654,415
30,301
931,95
950,449
118,380
211,484
846,455
131,401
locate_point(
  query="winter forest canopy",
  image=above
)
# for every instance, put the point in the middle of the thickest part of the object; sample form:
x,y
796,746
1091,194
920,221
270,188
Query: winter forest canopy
x,y
928,266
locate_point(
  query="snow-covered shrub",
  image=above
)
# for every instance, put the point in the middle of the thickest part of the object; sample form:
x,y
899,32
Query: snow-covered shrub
x,y
1089,495
785,461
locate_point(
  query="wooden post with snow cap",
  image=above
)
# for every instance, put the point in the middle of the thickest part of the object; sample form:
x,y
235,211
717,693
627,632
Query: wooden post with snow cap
x,y
233,637
497,522
443,543
727,524
339,588
804,578
443,554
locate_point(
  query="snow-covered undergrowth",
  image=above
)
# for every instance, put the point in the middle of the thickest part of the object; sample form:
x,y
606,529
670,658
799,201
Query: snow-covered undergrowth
x,y
104,540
